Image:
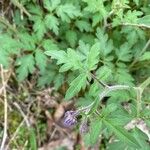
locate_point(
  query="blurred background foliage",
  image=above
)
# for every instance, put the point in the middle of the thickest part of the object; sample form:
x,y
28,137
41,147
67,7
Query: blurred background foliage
x,y
66,30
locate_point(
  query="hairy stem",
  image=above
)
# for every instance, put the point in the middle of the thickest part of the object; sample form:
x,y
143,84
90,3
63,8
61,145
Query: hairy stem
x,y
139,96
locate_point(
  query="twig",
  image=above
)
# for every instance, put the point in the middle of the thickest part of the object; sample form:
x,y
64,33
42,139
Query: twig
x,y
22,113
15,134
17,130
142,51
5,109
5,22
21,7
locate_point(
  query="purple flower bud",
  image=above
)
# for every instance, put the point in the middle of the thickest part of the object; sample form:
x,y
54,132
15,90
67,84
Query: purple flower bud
x,y
70,119
84,127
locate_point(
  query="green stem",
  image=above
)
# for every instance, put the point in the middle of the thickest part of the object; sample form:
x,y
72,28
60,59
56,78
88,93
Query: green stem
x,y
142,51
5,22
145,84
139,96
21,7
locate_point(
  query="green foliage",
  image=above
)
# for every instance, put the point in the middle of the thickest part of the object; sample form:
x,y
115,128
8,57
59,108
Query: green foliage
x,y
26,66
76,85
92,136
62,43
122,134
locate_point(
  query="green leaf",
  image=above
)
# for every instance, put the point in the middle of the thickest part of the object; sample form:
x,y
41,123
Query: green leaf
x,y
71,37
93,56
123,76
4,60
83,25
133,34
28,41
76,86
122,134
106,45
104,72
60,56
141,137
58,81
52,23
132,16
51,4
26,65
109,109
96,6
67,12
39,27
41,60
124,52
93,135
14,44
33,143
145,56
46,78
120,145
144,20
49,45
70,60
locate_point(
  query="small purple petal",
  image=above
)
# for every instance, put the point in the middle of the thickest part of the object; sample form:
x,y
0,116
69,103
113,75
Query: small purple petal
x,y
84,127
70,118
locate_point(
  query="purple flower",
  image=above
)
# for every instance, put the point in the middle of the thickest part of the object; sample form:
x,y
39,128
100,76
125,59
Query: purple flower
x,y
70,118
84,127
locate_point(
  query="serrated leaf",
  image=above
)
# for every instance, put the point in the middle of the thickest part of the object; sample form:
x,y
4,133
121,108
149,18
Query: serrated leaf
x,y
39,28
74,59
106,45
144,20
142,138
26,66
132,16
40,59
60,56
83,25
49,45
124,52
123,76
145,56
95,129
103,73
93,56
109,109
67,12
13,46
52,23
71,37
35,9
122,134
46,78
133,34
28,41
76,86
58,81
70,60
96,6
51,4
